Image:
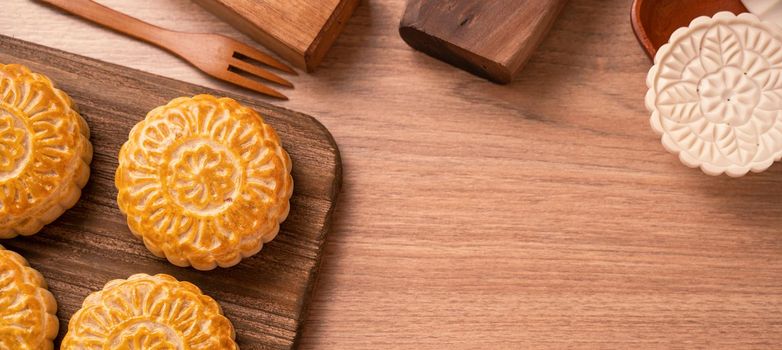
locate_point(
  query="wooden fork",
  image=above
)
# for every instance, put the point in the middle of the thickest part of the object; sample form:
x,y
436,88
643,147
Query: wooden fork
x,y
214,54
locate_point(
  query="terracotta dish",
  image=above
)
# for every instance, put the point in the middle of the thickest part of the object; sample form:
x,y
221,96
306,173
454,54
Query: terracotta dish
x,y
655,20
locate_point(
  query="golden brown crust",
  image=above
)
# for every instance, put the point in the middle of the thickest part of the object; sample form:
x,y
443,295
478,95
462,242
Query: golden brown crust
x,y
28,318
204,182
44,152
149,312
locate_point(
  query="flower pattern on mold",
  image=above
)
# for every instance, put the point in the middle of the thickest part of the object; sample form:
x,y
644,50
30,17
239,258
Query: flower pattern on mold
x,y
149,313
715,94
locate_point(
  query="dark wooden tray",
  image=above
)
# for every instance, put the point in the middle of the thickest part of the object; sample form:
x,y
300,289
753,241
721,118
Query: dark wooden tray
x,y
265,296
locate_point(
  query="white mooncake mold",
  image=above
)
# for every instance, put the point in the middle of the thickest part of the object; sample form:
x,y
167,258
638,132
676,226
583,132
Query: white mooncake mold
x,y
715,93
767,10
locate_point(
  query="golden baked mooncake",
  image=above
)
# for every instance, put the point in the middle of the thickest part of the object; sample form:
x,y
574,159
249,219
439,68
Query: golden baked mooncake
x,y
27,309
204,182
149,312
45,152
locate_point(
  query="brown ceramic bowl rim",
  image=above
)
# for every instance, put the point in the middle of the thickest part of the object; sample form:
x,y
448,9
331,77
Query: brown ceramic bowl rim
x,y
638,29
642,34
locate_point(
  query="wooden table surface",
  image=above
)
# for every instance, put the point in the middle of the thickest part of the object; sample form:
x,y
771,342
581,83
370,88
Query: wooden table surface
x,y
541,214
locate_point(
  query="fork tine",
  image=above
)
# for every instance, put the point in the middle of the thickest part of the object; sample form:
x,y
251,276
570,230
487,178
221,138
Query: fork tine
x,y
260,72
246,50
237,79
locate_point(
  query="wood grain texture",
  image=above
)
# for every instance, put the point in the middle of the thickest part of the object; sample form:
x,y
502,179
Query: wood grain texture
x,y
543,214
302,31
265,296
492,39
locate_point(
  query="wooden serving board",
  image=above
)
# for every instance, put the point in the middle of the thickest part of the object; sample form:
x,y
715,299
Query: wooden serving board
x,y
265,296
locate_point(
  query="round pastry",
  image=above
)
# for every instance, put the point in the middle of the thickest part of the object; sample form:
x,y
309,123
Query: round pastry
x,y
44,152
204,182
28,318
149,312
715,93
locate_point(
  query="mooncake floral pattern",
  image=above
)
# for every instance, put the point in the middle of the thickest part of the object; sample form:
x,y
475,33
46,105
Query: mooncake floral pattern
x,y
205,177
13,140
204,182
715,93
27,309
149,313
44,152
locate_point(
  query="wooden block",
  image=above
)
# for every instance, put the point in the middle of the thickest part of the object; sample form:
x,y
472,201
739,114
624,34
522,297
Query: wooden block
x,y
492,39
300,31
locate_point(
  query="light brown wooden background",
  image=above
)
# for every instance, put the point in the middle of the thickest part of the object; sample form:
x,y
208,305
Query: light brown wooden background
x,y
543,214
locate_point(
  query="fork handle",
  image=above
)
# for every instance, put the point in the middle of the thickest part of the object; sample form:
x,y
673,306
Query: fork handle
x,y
115,20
